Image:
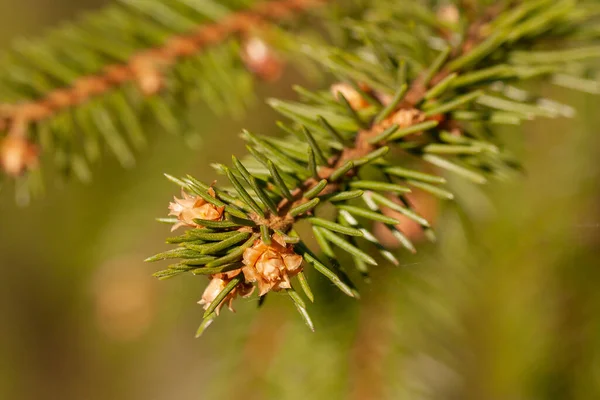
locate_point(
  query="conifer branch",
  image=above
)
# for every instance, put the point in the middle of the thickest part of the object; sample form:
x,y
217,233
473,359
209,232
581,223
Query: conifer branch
x,y
437,104
49,106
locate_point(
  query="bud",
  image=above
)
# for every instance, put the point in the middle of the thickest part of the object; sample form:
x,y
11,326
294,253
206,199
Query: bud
x,y
190,208
404,118
271,266
355,99
217,284
17,155
449,13
407,117
147,75
260,59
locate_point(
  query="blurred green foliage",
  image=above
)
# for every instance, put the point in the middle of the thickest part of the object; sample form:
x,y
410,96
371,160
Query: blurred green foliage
x,y
505,306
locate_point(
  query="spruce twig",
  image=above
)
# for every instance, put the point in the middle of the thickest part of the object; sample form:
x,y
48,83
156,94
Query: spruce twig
x,y
338,137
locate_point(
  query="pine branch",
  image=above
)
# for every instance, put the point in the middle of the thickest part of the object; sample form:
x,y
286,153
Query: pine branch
x,y
436,106
127,61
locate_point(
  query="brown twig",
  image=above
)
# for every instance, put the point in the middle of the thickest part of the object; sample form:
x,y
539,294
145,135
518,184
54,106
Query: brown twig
x,y
146,67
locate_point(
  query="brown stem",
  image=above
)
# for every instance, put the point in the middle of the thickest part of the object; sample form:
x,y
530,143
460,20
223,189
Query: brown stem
x,y
145,67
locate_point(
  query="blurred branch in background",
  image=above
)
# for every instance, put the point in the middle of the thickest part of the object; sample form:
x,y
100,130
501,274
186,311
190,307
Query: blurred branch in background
x,y
97,82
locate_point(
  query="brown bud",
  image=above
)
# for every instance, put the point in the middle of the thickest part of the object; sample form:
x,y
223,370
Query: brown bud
x,y
357,102
17,155
217,284
448,13
147,75
260,59
407,117
404,118
190,208
271,266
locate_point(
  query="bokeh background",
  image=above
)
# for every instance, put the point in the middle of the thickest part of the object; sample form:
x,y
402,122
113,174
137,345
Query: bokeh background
x,y
505,306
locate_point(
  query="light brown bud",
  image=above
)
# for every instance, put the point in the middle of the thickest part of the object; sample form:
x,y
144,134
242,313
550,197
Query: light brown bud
x,y
190,208
147,75
17,155
357,102
217,284
449,13
271,266
260,59
407,117
404,118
